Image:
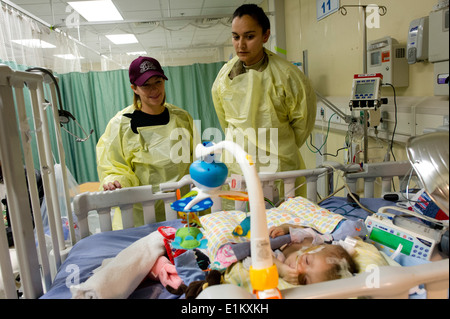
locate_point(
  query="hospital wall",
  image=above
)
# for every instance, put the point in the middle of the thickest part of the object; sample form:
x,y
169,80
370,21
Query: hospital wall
x,y
334,48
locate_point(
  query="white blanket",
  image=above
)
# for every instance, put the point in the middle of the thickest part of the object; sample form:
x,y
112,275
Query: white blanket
x,y
118,277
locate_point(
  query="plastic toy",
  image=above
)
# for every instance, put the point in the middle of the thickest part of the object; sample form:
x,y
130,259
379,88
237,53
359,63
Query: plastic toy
x,y
189,238
243,229
189,218
168,234
208,175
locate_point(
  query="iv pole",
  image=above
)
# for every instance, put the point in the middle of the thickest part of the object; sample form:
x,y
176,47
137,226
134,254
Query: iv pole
x,y
382,11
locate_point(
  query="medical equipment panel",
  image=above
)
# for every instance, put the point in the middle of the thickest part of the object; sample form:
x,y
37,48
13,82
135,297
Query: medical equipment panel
x,y
388,57
366,91
441,78
438,50
438,35
417,46
387,236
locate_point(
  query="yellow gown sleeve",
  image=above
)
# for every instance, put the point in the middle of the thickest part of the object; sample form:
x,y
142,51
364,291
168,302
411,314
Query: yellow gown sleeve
x,y
111,162
301,104
217,98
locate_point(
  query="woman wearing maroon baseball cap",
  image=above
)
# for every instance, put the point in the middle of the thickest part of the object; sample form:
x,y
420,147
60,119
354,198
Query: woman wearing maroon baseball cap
x,y
148,142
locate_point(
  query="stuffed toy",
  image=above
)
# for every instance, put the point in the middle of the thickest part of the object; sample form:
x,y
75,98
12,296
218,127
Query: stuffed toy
x,y
214,277
243,229
165,272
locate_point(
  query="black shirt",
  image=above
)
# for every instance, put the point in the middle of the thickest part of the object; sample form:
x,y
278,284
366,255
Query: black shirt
x,y
141,119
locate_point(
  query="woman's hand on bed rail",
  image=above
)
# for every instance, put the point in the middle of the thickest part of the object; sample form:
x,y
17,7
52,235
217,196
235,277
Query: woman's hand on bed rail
x,y
112,186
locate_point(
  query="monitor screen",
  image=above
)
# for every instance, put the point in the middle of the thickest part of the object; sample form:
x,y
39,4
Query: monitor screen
x,y
390,240
375,58
365,88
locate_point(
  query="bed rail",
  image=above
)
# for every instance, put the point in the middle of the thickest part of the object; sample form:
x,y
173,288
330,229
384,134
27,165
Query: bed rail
x,y
103,202
384,282
370,172
17,89
289,178
268,183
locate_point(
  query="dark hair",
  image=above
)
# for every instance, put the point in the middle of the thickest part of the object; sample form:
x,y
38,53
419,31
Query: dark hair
x,y
335,270
256,13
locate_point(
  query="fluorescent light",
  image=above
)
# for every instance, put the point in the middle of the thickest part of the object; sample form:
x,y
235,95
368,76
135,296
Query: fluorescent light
x,y
102,10
69,56
34,43
122,38
137,53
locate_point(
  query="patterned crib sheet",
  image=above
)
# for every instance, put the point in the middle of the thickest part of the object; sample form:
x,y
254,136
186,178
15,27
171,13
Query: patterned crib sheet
x,y
219,226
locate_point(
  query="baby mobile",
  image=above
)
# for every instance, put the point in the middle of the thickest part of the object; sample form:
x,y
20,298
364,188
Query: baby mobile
x,y
208,175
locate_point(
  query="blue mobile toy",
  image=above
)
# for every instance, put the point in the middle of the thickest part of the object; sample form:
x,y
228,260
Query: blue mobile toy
x,y
208,175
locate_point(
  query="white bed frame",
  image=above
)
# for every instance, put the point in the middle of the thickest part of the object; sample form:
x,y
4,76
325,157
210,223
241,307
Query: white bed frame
x,y
38,267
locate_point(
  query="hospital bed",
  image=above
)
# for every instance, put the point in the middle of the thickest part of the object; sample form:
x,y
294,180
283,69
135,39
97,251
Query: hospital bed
x,y
48,270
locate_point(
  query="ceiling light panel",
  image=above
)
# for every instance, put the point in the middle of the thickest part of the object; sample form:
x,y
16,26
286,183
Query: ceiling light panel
x,y
68,56
122,38
137,53
94,11
34,43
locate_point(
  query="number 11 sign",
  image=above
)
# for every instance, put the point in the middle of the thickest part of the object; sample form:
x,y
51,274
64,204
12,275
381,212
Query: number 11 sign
x,y
326,7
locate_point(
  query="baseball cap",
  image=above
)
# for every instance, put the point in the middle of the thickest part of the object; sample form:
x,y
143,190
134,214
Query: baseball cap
x,y
143,68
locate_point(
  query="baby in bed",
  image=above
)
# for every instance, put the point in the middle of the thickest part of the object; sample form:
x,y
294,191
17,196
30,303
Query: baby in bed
x,y
307,259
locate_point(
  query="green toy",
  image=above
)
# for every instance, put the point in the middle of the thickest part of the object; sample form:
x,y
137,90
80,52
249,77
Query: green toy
x,y
189,238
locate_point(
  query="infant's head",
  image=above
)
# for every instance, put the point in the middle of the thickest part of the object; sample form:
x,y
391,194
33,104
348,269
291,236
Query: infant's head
x,y
323,262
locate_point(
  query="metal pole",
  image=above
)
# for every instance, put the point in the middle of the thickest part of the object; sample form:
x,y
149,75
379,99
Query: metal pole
x,y
366,114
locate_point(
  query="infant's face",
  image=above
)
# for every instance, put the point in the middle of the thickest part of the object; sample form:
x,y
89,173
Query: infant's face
x,y
311,264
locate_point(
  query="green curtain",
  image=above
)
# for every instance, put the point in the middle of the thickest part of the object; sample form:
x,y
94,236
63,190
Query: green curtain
x,y
189,87
94,98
